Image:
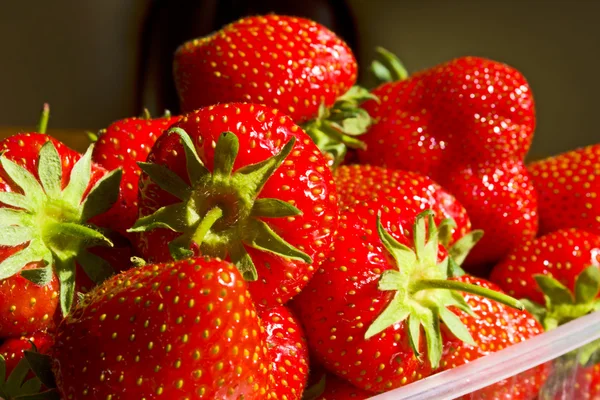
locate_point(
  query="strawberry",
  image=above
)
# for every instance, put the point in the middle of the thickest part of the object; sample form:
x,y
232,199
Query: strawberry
x,y
12,350
289,354
169,330
331,387
409,191
48,194
25,306
495,328
467,124
501,201
568,186
242,182
562,254
122,145
16,384
364,309
289,63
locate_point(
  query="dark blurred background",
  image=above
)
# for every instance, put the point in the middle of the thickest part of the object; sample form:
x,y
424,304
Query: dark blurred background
x,y
98,61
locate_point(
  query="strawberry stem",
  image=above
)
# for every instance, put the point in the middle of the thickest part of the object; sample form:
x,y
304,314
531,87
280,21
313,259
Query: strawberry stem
x,y
468,288
209,220
43,124
388,68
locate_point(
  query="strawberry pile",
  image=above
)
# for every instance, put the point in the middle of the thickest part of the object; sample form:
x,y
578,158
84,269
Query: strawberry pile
x,y
292,235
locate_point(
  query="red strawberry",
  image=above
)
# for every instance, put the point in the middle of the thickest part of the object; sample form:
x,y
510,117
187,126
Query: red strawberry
x,y
26,307
122,145
284,62
13,349
501,201
496,327
331,387
48,194
244,182
410,192
289,63
364,309
172,330
467,124
289,354
568,187
587,383
563,255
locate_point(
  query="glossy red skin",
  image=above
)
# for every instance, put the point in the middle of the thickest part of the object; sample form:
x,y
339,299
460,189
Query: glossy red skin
x,y
24,148
563,254
496,327
12,349
303,179
469,114
24,306
29,315
288,350
338,389
289,63
467,110
196,312
409,191
343,299
568,187
122,145
501,200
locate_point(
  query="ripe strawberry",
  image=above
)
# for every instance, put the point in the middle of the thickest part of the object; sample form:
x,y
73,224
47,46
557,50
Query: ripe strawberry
x,y
467,124
364,309
288,351
289,63
48,194
243,182
587,384
410,192
495,328
568,187
562,254
284,62
122,145
501,201
26,307
12,350
169,330
331,387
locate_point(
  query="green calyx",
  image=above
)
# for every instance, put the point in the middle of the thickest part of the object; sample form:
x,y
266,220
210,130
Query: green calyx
x,y
51,222
315,391
337,128
388,68
220,210
422,291
17,386
561,305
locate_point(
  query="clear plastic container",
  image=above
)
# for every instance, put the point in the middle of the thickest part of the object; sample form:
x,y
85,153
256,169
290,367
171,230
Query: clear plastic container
x,y
507,363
